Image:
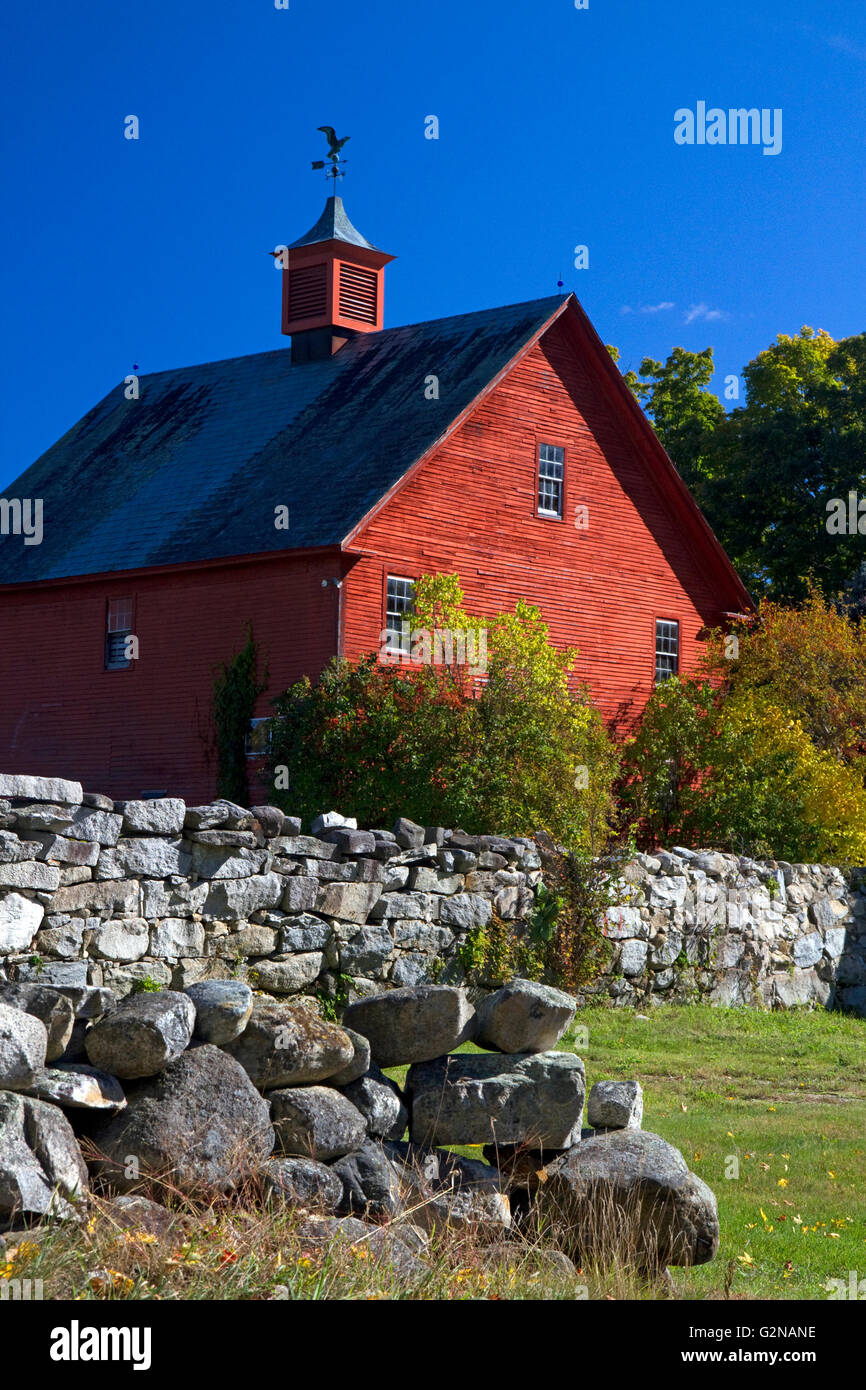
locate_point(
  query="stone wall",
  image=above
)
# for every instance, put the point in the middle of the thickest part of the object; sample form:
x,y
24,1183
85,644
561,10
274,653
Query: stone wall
x,y
96,892
732,930
103,893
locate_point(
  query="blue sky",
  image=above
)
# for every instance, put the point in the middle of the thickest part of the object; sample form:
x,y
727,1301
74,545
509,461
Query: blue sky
x,y
556,129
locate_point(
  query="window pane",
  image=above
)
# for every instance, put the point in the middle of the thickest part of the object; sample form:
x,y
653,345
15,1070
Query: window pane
x,y
115,651
120,615
551,468
667,649
398,610
258,740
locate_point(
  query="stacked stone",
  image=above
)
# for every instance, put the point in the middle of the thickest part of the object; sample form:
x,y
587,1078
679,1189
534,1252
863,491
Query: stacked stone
x,y
102,893
204,1088
110,894
727,929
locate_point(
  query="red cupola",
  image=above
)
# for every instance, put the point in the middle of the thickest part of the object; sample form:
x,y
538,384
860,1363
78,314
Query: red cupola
x,y
333,286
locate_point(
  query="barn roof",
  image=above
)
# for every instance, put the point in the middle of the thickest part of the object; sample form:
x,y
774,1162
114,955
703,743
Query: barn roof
x,y
194,469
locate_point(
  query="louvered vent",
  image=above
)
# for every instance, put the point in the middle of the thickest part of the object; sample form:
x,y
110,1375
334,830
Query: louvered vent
x,y
358,293
308,292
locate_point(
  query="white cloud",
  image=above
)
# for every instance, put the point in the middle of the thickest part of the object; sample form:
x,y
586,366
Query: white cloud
x,y
702,313
843,44
840,42
648,308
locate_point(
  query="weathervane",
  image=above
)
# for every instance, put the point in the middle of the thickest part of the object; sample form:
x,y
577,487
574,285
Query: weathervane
x,y
334,147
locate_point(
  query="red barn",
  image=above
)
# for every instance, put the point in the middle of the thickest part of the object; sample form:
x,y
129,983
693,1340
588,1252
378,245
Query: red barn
x,y
303,491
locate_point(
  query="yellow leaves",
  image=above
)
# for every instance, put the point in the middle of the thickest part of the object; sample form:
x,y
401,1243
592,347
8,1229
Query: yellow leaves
x,y
138,1238
16,1256
109,1283
783,1182
746,1259
831,1174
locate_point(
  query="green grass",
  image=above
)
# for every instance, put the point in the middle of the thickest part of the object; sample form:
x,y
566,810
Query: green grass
x,y
784,1094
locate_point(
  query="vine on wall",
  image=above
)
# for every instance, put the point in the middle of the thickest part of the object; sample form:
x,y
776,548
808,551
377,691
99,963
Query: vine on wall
x,y
236,688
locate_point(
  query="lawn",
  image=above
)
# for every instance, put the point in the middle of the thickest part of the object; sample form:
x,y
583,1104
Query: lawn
x,y
770,1110
784,1095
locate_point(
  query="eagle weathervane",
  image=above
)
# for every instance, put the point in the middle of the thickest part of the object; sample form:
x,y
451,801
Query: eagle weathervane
x,y
334,147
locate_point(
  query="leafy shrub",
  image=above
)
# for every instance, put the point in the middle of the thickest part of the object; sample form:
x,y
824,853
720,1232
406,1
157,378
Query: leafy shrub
x,y
771,790
737,771
809,660
511,754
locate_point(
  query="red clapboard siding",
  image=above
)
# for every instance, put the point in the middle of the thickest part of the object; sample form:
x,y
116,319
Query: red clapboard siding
x,y
150,727
471,508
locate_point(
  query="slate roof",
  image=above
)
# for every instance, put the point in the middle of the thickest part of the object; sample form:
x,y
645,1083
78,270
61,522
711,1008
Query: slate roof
x,y
194,469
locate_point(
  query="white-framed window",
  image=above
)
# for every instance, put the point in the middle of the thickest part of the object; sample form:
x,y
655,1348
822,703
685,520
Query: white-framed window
x,y
667,649
399,602
258,739
551,468
118,626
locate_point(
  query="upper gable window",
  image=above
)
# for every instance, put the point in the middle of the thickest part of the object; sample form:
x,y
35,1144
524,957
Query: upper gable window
x,y
399,602
118,627
551,468
667,649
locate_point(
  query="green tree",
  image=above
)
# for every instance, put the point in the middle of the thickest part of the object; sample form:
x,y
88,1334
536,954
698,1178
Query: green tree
x,y
684,412
776,463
